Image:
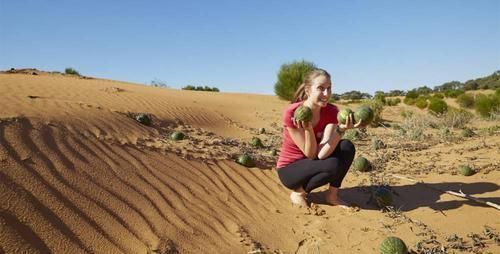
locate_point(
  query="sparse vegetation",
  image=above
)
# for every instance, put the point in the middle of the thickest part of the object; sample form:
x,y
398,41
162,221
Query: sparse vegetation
x,y
487,105
200,88
159,83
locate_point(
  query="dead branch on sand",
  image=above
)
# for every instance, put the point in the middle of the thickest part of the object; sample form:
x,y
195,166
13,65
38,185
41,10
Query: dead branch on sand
x,y
454,193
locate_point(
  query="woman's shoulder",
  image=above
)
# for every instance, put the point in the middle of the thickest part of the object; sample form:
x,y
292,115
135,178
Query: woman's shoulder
x,y
331,107
293,106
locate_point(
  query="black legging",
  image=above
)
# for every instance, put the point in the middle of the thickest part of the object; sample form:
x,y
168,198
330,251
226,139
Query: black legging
x,y
311,174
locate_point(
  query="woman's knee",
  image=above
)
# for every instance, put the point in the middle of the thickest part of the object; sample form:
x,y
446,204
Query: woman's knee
x,y
347,147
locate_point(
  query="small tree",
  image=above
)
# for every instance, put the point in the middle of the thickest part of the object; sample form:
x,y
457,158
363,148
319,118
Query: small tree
x,y
71,71
290,76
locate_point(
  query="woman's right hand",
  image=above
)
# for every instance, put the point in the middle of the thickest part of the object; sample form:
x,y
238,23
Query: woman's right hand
x,y
302,124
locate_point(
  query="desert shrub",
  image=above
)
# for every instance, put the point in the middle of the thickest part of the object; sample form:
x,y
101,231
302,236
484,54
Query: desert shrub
x,y
438,95
392,102
200,88
159,83
377,106
465,100
411,94
487,105
421,103
409,101
290,76
455,118
380,97
453,93
413,126
71,71
437,106
406,113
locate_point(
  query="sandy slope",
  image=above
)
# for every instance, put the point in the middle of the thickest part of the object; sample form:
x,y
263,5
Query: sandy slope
x,y
78,174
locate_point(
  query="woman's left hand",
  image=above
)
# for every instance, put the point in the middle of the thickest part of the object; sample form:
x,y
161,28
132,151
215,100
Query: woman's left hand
x,y
350,123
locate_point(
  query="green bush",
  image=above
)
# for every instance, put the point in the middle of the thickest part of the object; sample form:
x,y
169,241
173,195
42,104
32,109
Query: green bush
x,y
412,94
71,71
392,102
465,100
438,106
439,95
200,88
486,105
421,103
453,93
409,101
290,76
455,118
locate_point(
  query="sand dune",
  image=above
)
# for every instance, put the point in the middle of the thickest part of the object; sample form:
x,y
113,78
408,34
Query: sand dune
x,y
79,175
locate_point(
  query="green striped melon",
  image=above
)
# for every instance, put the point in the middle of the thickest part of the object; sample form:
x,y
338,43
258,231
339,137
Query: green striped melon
x,y
365,114
177,135
256,142
245,160
361,164
343,114
383,197
465,170
143,119
303,113
393,245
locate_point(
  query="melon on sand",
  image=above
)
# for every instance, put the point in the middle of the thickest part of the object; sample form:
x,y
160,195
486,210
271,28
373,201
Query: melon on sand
x,y
177,135
343,114
256,142
465,170
303,113
245,160
143,119
382,196
361,164
393,245
365,114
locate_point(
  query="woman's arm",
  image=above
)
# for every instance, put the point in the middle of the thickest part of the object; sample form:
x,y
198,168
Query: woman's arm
x,y
329,142
305,139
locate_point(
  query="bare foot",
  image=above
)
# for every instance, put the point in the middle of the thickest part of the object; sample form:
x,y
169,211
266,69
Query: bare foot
x,y
298,198
334,200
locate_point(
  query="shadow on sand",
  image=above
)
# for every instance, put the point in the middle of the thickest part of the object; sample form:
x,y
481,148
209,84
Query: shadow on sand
x,y
410,197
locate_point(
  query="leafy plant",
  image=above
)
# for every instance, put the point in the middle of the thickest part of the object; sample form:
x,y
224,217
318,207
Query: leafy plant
x,y
465,100
438,106
290,76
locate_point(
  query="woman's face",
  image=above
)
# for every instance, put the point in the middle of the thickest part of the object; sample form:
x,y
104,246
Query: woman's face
x,y
320,92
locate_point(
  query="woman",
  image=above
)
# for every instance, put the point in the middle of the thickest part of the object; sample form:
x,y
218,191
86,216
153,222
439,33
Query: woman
x,y
304,163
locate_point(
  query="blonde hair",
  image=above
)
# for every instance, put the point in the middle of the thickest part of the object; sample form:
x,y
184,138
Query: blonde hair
x,y
301,94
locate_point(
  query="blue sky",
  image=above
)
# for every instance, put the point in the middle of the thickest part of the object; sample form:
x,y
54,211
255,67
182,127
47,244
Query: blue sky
x,y
238,46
